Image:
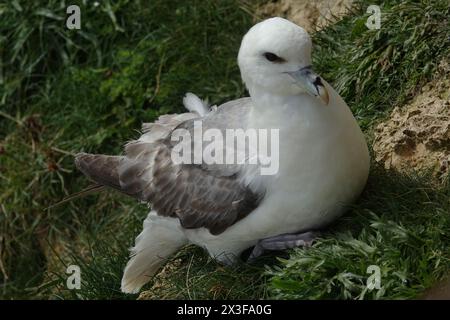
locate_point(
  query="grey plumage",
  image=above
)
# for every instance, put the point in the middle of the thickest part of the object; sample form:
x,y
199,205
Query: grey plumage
x,y
210,196
320,161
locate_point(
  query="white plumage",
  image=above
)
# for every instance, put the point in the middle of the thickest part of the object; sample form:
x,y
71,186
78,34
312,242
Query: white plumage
x,y
323,165
195,104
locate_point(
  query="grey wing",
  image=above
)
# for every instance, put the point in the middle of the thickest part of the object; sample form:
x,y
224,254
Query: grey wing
x,y
231,115
200,196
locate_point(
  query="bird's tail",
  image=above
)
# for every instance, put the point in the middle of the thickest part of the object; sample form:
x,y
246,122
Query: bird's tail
x,y
159,239
100,168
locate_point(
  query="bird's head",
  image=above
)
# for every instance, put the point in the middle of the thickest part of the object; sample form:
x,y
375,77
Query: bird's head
x,y
275,56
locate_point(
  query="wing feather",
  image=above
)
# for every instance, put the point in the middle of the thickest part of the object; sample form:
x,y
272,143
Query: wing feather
x,y
208,196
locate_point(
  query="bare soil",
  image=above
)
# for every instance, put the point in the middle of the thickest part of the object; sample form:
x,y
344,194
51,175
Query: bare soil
x,y
311,15
417,136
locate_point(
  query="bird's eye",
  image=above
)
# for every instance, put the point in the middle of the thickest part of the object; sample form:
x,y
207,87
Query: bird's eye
x,y
272,57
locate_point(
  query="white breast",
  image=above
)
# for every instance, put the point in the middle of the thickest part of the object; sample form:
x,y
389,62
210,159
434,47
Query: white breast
x,y
324,164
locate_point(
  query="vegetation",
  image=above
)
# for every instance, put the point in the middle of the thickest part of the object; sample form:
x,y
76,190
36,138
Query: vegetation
x,y
64,91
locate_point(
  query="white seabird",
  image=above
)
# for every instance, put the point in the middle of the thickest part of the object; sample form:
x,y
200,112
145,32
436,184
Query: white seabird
x,y
323,165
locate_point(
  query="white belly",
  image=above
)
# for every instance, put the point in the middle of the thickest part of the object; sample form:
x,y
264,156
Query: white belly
x,y
324,164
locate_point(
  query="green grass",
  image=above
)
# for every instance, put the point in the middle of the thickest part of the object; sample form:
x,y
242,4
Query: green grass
x,y
64,91
375,70
401,224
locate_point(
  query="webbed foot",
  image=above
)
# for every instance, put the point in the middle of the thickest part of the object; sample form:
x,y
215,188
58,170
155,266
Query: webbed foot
x,y
283,242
